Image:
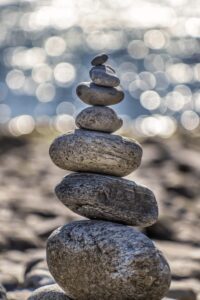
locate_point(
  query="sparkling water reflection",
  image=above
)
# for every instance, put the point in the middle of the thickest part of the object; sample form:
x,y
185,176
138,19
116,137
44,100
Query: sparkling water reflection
x,y
46,47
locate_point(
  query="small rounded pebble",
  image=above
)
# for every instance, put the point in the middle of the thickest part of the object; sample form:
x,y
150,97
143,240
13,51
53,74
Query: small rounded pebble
x,y
93,151
103,260
99,59
2,293
38,278
99,118
108,198
104,76
93,94
49,292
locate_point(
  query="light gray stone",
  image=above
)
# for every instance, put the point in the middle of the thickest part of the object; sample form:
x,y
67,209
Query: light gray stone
x,y
103,260
93,94
108,198
99,59
93,151
49,292
104,76
99,118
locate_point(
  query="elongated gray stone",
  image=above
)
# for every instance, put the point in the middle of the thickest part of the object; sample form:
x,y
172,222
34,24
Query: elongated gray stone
x,y
104,76
93,151
99,59
103,260
93,94
49,292
99,118
108,198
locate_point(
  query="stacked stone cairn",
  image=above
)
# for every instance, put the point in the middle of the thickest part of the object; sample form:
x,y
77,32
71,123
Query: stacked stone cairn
x,y
104,258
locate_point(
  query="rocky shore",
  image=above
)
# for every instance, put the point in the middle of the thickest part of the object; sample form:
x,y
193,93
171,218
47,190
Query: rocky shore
x,y
29,212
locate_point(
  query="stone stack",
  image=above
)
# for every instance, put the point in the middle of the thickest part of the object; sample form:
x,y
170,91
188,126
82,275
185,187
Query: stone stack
x,y
103,258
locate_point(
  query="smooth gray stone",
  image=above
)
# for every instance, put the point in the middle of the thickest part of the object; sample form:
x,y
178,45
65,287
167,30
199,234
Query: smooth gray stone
x,y
99,118
104,76
99,59
108,198
93,94
49,292
96,152
103,260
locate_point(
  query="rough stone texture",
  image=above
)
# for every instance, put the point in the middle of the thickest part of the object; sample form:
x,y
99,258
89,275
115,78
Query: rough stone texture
x,y
123,261
49,292
93,94
104,76
97,152
99,59
99,118
108,198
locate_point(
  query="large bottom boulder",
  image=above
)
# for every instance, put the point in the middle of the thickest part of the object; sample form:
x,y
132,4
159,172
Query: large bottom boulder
x,y
103,260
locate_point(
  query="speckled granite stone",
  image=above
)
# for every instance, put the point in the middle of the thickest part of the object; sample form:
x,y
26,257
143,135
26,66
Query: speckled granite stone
x,y
92,151
99,118
103,260
104,76
108,198
93,94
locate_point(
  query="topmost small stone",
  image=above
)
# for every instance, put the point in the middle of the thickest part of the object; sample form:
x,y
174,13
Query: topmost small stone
x,y
99,59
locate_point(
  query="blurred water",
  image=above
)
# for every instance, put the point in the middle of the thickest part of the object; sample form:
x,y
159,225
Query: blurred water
x,y
46,48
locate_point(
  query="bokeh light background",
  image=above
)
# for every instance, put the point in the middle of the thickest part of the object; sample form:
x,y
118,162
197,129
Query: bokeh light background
x,y
46,47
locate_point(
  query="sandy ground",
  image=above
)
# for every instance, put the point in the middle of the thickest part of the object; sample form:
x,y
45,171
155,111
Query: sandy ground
x,y
29,211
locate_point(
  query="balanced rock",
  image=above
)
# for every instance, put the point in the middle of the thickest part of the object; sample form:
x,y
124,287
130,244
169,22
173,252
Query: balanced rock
x,y
99,118
99,59
49,292
93,151
104,76
103,260
108,198
93,94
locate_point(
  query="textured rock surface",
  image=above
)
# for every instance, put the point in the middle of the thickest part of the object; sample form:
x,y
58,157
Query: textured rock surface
x,y
104,75
99,59
49,292
99,118
93,94
108,198
123,261
92,151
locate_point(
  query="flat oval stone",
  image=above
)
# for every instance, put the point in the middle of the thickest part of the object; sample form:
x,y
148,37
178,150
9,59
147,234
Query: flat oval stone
x,y
49,292
103,260
99,59
93,94
104,76
99,118
108,198
93,151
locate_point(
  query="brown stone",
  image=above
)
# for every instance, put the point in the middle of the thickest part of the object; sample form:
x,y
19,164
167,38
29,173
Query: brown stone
x,y
99,118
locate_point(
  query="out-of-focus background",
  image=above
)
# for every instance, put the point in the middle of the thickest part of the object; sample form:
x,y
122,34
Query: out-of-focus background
x,y
45,51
